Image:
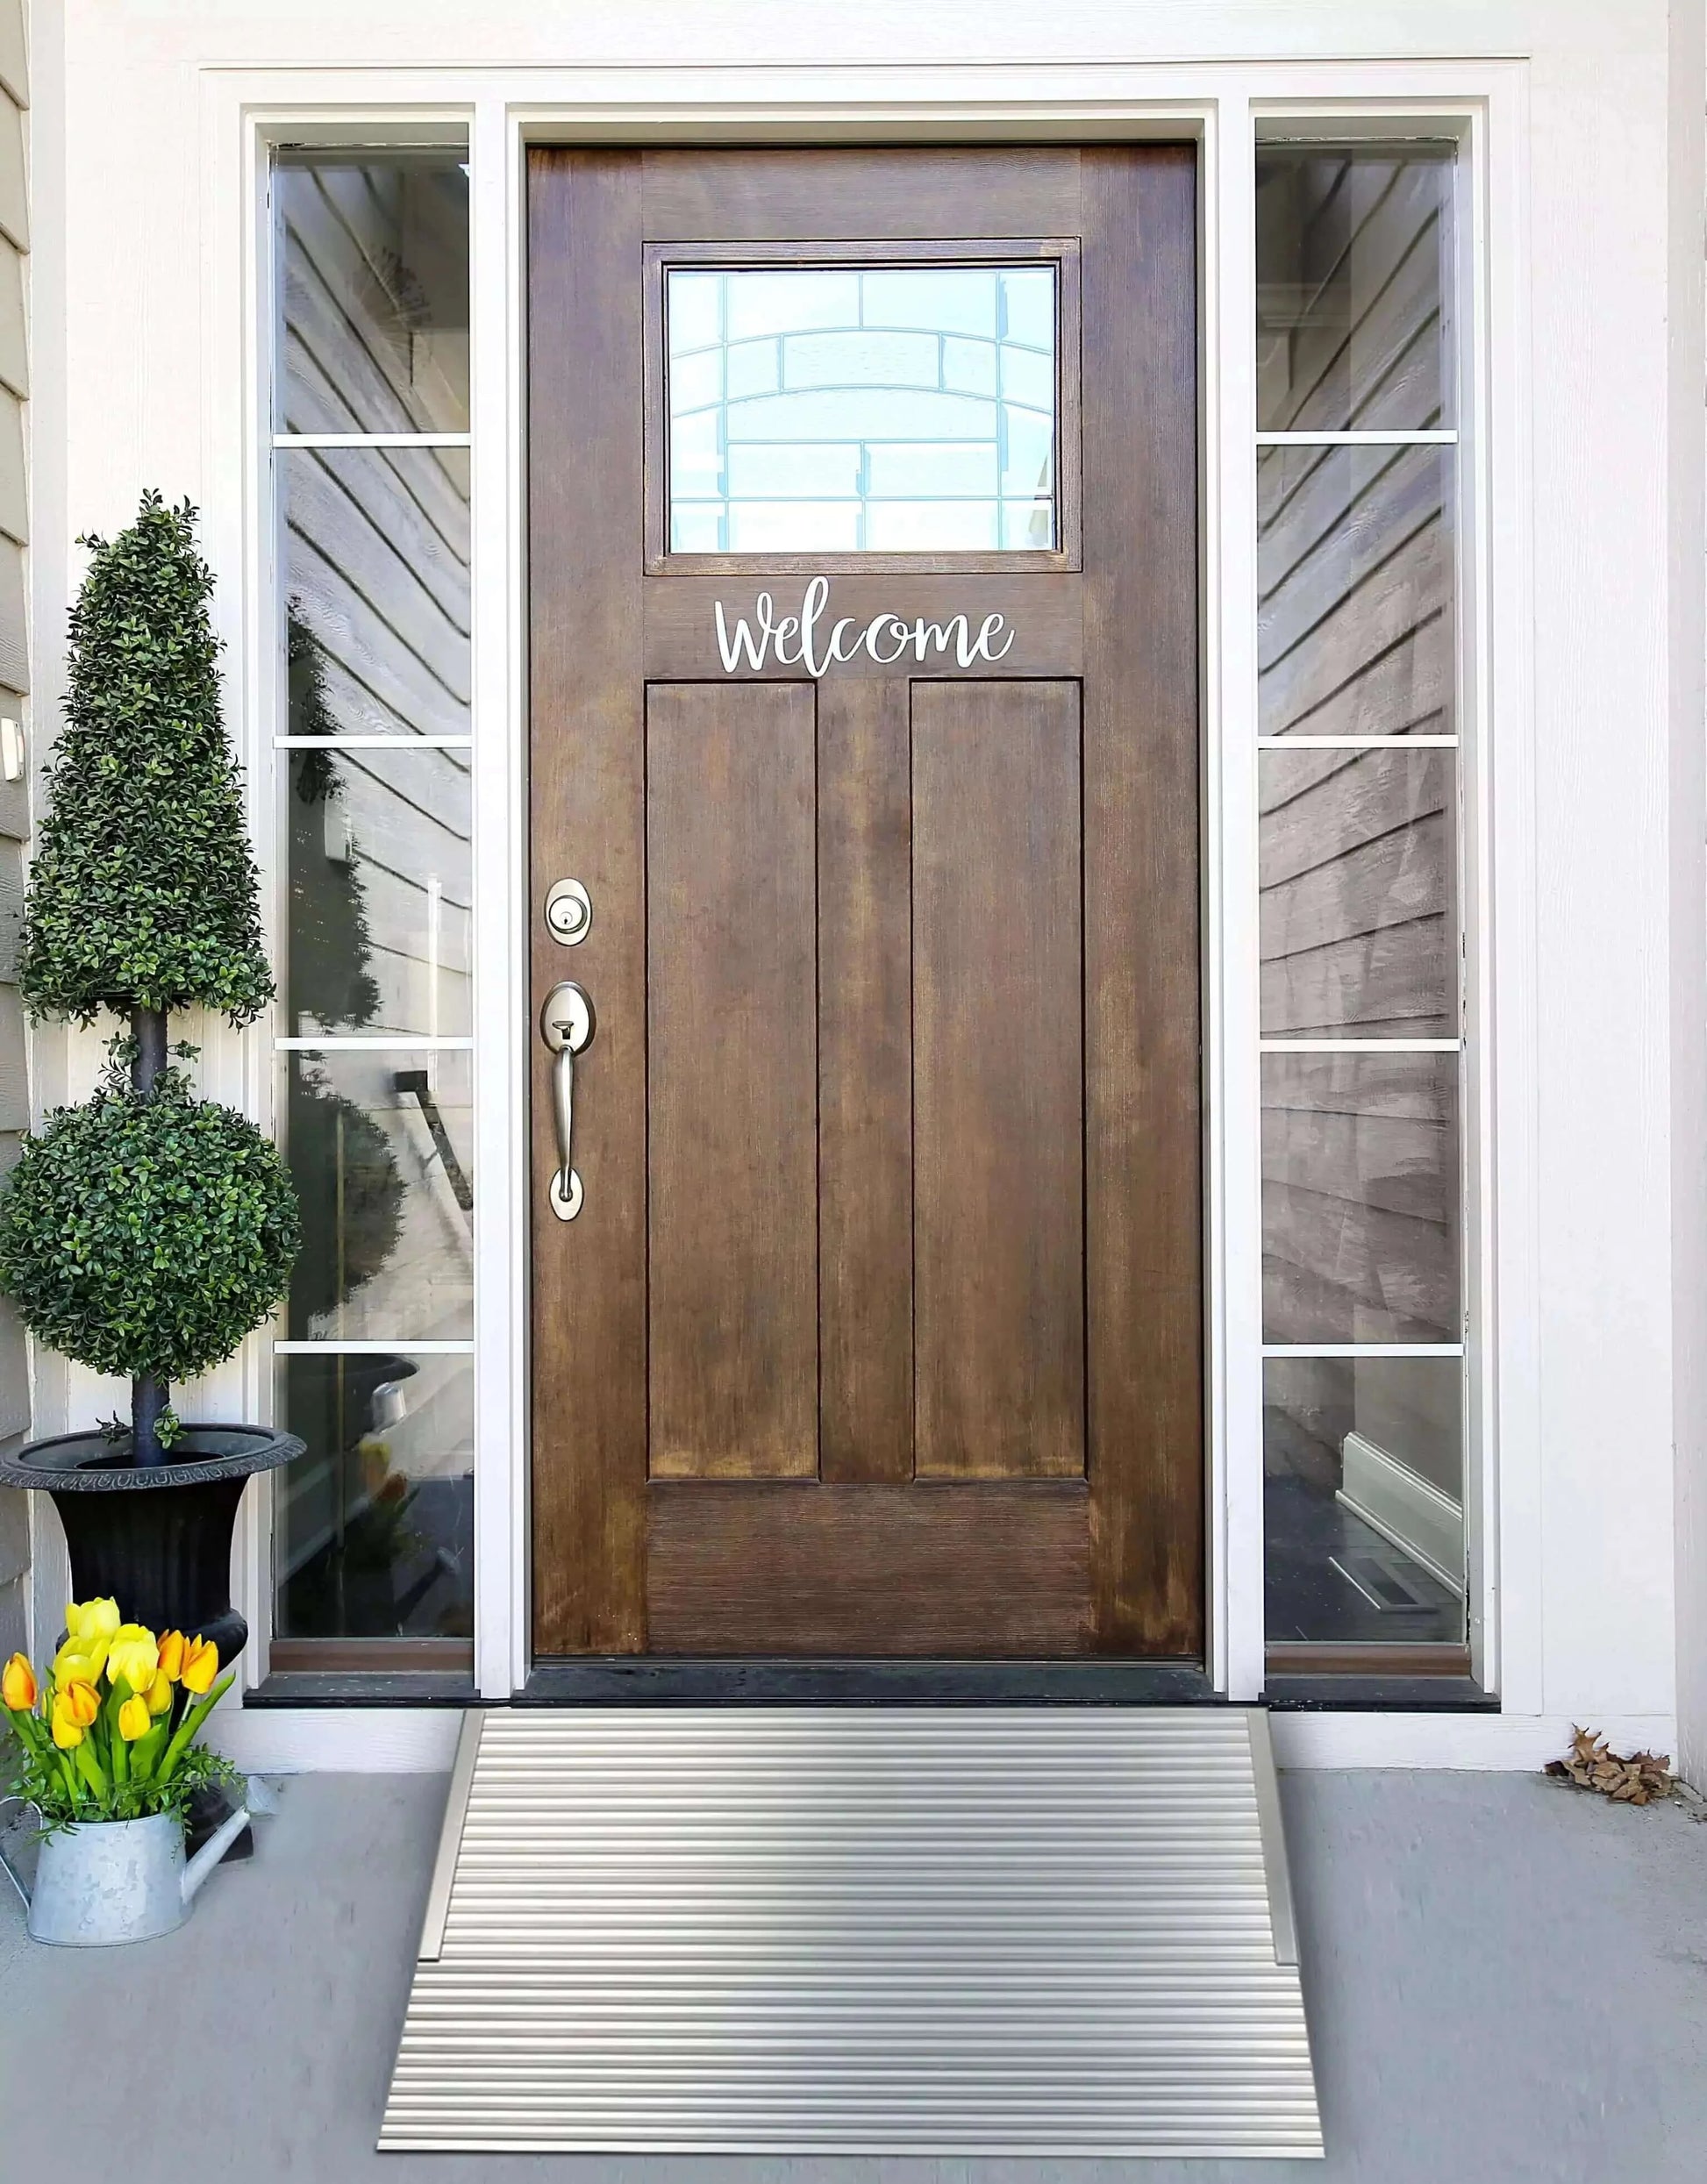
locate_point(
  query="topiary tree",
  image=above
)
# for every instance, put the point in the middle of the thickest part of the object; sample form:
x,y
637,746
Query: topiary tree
x,y
146,1233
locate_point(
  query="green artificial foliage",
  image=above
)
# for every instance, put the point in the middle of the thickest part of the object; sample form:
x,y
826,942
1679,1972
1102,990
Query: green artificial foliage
x,y
142,887
147,1231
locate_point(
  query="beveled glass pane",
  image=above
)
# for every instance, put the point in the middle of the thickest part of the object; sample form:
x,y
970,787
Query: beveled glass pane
x,y
1357,866
378,935
379,1144
374,248
1361,1212
374,547
861,409
374,1528
1363,1500
1353,288
1355,623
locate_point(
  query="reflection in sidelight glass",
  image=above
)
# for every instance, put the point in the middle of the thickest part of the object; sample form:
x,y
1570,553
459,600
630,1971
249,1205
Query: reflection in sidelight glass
x,y
376,1530
374,1525
1360,1198
1354,282
380,1148
1355,630
374,570
1363,1498
846,409
1358,872
372,255
381,891
1361,948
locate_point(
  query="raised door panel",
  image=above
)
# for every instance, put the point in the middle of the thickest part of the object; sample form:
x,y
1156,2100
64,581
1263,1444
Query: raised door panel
x,y
732,1029
998,1086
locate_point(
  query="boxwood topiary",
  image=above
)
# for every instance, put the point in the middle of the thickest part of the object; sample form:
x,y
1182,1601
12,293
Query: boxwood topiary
x,y
147,1231
142,888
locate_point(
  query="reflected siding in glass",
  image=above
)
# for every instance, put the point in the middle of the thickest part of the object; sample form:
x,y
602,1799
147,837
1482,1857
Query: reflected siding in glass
x,y
1361,1219
1358,875
376,1521
373,254
861,409
1354,288
1356,628
375,567
378,937
380,1146
1363,1496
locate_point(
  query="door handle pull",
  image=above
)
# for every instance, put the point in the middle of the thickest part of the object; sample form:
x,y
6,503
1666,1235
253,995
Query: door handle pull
x,y
566,1024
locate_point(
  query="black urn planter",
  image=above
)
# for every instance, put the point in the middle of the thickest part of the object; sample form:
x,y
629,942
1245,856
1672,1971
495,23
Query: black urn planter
x,y
157,1538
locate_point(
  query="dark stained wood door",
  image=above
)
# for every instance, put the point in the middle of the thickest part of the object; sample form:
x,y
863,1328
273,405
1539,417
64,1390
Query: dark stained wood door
x,y
879,1332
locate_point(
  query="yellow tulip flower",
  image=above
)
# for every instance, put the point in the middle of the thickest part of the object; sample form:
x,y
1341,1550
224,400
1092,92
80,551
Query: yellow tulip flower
x,y
80,1701
201,1664
80,1658
134,1718
159,1693
171,1654
68,1735
95,1620
17,1685
133,1655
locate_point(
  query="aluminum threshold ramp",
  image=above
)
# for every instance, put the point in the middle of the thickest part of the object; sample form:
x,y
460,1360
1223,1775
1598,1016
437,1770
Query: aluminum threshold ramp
x,y
813,1931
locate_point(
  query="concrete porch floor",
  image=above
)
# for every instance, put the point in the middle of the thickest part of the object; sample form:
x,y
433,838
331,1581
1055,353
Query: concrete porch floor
x,y
1506,1980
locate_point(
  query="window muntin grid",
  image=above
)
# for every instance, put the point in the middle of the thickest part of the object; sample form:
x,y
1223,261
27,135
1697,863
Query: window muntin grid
x,y
1360,803
374,1530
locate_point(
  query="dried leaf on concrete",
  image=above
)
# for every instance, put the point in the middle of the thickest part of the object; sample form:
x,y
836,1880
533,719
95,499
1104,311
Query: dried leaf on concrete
x,y
1636,1779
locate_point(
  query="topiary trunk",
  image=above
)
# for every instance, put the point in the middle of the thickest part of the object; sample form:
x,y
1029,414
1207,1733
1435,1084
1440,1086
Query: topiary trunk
x,y
150,1394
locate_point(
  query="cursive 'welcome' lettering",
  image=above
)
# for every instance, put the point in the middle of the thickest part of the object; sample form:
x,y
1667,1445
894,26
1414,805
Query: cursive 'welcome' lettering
x,y
801,640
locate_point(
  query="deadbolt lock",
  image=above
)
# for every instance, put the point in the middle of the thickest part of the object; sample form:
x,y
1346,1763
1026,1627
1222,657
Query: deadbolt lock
x,y
568,912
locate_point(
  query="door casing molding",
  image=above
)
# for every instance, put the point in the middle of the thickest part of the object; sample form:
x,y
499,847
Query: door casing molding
x,y
244,111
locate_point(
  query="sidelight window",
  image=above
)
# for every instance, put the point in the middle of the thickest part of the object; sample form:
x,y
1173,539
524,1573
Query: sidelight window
x,y
1362,1015
374,1527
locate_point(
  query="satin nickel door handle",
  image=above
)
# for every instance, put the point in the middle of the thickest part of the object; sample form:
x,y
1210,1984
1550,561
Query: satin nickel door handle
x,y
566,1024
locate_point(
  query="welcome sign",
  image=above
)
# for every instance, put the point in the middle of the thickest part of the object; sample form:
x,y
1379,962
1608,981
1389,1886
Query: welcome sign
x,y
812,641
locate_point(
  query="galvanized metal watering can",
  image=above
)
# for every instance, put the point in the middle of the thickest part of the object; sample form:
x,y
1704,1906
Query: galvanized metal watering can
x,y
112,1880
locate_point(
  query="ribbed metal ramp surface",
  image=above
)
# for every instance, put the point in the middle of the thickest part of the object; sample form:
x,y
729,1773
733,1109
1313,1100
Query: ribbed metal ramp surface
x,y
994,1931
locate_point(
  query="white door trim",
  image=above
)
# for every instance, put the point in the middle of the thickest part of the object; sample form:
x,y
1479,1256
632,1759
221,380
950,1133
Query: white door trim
x,y
243,109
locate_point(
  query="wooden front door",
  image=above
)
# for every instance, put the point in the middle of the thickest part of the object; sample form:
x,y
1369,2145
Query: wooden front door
x,y
867,717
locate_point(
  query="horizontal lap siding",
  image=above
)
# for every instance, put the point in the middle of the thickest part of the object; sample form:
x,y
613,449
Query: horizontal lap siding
x,y
1359,914
14,806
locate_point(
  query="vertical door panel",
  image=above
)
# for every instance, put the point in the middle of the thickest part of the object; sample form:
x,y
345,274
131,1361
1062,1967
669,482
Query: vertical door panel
x,y
999,1092
1144,1122
732,1042
587,794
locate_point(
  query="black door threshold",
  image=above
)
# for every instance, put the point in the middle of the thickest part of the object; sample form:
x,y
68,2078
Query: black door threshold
x,y
641,1682
1372,1695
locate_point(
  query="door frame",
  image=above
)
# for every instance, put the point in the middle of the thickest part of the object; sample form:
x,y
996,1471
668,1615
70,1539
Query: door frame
x,y
1220,109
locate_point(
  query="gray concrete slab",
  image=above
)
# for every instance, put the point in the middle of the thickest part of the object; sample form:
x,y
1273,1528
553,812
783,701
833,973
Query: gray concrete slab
x,y
1506,1981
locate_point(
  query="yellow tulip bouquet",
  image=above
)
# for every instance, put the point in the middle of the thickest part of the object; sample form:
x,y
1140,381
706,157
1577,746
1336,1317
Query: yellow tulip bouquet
x,y
109,1734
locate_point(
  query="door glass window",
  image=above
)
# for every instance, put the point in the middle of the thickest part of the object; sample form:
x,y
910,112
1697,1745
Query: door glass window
x,y
862,409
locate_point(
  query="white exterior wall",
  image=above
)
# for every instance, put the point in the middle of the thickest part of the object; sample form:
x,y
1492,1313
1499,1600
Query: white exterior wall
x,y
1591,647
